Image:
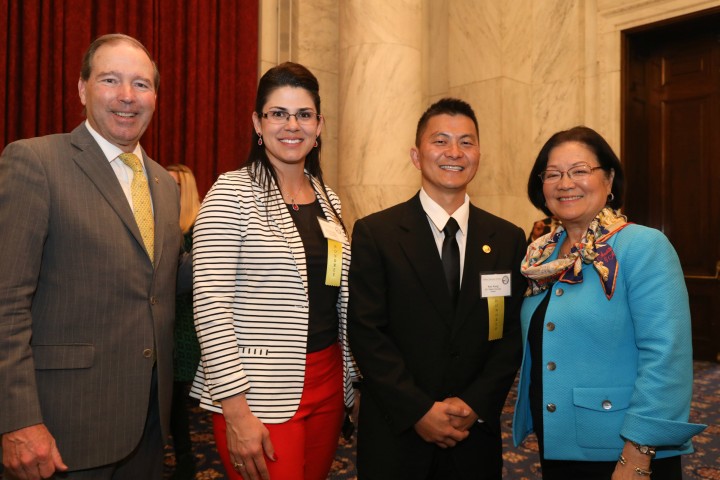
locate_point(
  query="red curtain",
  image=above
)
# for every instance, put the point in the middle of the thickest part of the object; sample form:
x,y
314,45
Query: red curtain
x,y
207,52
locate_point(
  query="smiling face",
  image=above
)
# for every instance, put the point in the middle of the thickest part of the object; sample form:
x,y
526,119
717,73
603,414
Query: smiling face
x,y
447,155
576,202
119,96
288,143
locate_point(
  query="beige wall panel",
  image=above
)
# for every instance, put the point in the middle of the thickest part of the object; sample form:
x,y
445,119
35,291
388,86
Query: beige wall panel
x,y
475,44
528,67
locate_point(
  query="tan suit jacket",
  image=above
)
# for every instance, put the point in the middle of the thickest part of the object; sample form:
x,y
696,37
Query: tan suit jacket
x,y
84,315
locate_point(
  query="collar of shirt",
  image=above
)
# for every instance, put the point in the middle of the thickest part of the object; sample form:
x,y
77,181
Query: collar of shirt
x,y
123,172
439,217
111,151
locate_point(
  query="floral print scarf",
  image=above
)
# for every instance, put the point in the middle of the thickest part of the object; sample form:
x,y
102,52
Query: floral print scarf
x,y
591,249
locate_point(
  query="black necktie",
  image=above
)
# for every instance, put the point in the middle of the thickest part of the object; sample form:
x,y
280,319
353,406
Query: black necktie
x,y
451,258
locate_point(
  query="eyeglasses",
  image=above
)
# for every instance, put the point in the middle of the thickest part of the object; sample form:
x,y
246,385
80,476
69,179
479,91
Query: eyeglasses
x,y
578,173
303,117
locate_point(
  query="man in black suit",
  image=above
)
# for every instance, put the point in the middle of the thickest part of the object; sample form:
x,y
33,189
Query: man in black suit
x,y
437,359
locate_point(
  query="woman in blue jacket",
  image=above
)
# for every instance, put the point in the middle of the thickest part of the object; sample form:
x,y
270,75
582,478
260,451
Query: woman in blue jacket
x,y
606,379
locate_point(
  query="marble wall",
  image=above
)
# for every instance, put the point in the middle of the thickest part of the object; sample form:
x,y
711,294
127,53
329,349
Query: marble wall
x,y
380,102
528,68
307,32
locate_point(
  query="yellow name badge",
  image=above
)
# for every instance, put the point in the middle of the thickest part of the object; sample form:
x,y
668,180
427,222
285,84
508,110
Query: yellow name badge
x,y
496,313
495,287
335,237
334,263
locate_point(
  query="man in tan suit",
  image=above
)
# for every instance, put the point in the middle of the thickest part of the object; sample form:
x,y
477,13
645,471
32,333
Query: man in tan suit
x,y
87,304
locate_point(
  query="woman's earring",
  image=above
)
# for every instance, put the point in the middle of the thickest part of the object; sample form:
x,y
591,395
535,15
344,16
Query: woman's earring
x,y
611,197
316,143
259,139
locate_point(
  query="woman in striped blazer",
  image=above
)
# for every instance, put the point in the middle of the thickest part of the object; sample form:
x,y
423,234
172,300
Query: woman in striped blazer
x,y
271,257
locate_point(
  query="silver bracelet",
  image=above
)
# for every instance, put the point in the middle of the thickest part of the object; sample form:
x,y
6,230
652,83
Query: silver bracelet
x,y
644,449
638,470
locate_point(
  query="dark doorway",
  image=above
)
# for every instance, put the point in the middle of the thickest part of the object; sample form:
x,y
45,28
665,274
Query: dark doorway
x,y
671,151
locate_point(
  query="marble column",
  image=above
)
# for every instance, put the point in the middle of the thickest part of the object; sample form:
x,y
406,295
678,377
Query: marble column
x,y
315,45
306,32
380,98
490,65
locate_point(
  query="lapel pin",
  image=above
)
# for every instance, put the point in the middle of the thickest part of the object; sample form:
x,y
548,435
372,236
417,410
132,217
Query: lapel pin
x,y
156,180
486,248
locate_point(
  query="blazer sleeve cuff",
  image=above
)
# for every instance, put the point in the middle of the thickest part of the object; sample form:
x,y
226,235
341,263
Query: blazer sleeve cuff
x,y
658,432
234,385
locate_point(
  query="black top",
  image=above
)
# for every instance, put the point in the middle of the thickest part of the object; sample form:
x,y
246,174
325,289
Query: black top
x,y
323,318
535,340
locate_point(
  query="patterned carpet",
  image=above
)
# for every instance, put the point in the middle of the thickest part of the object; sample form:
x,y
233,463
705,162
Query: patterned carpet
x,y
520,463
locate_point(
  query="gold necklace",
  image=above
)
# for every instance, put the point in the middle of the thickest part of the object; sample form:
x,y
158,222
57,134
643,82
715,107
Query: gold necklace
x,y
294,204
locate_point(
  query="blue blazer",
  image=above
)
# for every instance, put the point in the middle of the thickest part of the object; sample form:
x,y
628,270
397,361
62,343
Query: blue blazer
x,y
623,367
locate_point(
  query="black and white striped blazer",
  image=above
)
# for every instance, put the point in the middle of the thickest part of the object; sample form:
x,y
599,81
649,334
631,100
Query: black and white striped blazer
x,y
251,302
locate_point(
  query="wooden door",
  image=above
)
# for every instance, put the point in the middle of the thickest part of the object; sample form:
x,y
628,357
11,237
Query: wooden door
x,y
671,150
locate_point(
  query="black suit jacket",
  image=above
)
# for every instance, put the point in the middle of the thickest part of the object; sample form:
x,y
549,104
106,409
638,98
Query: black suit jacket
x,y
413,348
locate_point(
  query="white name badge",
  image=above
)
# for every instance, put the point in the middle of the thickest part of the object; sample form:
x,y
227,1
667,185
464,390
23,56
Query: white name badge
x,y
331,230
496,284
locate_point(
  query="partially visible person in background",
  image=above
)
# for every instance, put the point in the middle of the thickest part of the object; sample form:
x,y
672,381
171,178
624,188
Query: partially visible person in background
x,y
270,295
540,228
187,350
606,379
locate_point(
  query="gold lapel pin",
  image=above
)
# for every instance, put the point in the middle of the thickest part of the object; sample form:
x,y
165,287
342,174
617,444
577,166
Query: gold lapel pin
x,y
157,180
486,248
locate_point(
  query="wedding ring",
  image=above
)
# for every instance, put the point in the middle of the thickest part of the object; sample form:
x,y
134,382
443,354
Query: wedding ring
x,y
237,465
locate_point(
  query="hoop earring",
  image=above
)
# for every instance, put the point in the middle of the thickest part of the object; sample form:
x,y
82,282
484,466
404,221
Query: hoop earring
x,y
316,143
611,197
259,140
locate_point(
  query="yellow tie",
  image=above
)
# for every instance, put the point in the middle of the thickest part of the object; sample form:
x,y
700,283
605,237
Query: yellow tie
x,y
142,207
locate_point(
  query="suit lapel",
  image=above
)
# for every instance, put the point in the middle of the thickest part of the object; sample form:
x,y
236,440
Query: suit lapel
x,y
417,241
480,234
93,163
159,204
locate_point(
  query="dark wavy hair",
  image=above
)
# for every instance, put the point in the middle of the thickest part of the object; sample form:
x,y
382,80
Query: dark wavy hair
x,y
593,141
294,75
445,106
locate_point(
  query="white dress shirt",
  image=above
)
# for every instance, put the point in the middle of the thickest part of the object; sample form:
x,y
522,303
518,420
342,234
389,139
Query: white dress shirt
x,y
123,173
438,217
